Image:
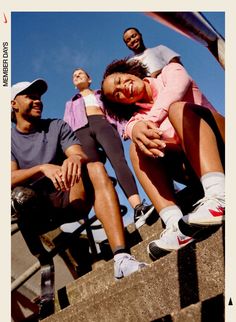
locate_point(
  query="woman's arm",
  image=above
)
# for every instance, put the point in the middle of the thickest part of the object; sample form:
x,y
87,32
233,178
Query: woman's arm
x,y
67,115
175,83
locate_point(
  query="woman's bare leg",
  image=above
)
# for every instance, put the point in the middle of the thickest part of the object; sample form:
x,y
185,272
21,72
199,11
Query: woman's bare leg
x,y
151,174
201,148
106,204
197,137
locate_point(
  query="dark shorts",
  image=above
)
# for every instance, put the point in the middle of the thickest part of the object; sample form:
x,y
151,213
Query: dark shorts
x,y
53,207
51,197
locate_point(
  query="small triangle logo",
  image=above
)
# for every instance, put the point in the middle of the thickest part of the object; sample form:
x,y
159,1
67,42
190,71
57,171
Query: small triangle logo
x,y
230,302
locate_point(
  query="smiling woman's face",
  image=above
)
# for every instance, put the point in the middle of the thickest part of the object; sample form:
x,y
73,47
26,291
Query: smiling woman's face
x,y
80,78
124,88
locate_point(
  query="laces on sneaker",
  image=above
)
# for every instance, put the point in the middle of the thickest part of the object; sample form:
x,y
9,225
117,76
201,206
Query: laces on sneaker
x,y
220,199
127,265
171,228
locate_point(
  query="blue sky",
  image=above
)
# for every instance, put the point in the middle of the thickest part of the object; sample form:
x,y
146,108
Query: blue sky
x,y
50,45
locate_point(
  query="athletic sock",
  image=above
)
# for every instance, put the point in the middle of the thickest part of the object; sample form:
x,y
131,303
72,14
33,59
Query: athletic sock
x,y
171,215
213,184
120,255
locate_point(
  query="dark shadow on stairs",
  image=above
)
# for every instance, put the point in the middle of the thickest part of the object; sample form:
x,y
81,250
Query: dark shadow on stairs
x,y
188,279
166,318
63,297
213,308
187,268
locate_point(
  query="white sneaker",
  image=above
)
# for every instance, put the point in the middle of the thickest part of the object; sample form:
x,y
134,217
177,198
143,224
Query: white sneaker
x,y
126,265
170,239
210,211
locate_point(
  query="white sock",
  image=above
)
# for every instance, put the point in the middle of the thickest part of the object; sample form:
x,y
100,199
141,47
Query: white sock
x,y
213,184
171,215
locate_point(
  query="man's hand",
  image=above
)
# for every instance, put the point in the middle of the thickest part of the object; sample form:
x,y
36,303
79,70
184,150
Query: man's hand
x,y
54,173
71,170
147,137
71,167
65,176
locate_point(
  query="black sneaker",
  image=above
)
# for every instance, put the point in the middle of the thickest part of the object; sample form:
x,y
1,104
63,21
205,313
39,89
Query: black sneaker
x,y
141,213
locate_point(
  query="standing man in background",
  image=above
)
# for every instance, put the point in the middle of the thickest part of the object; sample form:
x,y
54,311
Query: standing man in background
x,y
154,58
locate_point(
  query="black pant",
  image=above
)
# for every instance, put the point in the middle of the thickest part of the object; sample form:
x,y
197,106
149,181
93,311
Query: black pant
x,y
100,133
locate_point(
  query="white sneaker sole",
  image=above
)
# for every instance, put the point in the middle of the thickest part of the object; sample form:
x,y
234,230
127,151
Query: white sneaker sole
x,y
141,221
164,249
210,222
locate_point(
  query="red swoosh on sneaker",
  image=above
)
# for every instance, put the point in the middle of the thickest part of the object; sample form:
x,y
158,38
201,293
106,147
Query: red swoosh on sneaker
x,y
217,213
184,241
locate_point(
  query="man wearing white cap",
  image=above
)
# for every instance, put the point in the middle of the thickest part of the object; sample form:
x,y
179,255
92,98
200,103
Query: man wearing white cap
x,y
48,149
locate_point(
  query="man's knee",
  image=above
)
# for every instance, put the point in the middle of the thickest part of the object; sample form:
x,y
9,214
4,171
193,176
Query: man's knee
x,y
24,199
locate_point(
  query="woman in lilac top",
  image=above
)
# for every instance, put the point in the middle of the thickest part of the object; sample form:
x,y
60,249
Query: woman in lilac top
x,y
85,114
174,139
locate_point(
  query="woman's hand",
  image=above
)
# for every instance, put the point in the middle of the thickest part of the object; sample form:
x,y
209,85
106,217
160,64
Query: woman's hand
x,y
147,137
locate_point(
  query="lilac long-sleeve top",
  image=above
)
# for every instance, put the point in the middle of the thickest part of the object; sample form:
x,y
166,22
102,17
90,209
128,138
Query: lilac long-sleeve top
x,y
75,113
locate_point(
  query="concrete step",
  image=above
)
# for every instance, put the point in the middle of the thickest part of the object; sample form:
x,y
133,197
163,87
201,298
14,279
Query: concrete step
x,y
103,272
102,276
64,266
193,274
208,310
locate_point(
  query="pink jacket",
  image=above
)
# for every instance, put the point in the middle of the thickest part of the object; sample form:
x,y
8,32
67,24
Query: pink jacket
x,y
172,85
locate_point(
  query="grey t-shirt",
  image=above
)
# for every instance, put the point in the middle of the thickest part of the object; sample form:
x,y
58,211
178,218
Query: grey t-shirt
x,y
156,58
45,145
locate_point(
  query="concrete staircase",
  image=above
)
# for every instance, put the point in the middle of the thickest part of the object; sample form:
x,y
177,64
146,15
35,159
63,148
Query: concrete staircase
x,y
183,286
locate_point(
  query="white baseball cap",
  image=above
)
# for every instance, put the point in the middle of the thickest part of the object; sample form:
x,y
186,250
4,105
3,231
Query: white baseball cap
x,y
38,84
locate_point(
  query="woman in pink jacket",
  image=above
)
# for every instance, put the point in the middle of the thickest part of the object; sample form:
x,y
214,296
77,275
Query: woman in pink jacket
x,y
177,135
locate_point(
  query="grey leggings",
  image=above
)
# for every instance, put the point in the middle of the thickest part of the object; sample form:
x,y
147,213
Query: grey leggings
x,y
99,133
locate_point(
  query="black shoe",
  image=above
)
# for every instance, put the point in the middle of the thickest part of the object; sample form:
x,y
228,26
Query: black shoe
x,y
141,213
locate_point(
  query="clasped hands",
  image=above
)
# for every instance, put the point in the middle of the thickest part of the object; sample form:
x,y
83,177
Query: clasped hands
x,y
147,137
65,176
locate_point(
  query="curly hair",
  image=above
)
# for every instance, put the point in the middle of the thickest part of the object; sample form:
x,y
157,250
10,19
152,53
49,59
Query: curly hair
x,y
125,66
